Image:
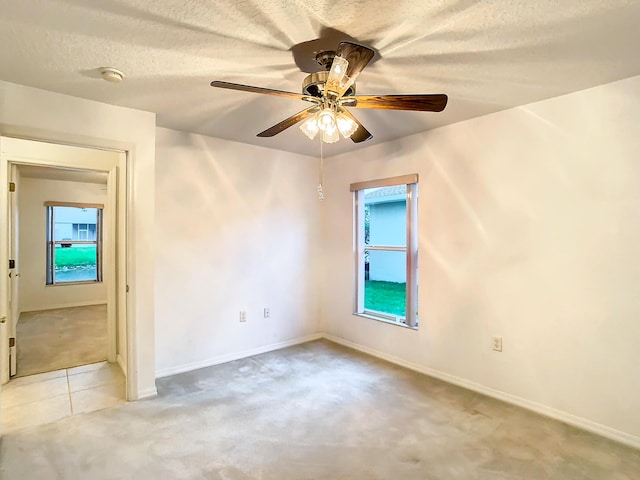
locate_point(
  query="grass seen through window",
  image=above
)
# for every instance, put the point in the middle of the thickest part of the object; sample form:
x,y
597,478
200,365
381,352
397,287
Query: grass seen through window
x,y
75,256
386,297
76,264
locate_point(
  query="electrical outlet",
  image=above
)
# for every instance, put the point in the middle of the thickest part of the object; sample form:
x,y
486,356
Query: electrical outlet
x,y
243,316
267,312
497,344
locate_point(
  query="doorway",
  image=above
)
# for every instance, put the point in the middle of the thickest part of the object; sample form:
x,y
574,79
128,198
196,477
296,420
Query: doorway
x,y
25,162
61,287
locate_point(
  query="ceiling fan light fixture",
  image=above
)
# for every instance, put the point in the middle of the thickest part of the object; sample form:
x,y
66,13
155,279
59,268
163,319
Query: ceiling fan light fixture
x,y
346,126
326,120
330,135
310,127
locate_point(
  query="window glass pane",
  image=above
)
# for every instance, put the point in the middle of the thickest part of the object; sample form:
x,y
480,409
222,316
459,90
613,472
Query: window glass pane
x,y
385,286
72,223
75,263
385,216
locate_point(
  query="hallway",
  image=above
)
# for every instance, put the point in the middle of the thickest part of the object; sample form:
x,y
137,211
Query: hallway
x,y
62,338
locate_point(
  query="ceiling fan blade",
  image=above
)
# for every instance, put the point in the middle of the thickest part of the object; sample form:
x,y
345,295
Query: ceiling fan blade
x,y
249,88
361,134
421,103
288,122
358,57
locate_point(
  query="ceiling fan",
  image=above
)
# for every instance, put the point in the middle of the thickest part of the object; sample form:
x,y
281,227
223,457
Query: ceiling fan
x,y
333,89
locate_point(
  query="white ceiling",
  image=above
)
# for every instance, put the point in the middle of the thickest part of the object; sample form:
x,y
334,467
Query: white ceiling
x,y
487,56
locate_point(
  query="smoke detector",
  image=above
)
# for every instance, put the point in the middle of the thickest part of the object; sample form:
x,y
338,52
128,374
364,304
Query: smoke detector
x,y
112,75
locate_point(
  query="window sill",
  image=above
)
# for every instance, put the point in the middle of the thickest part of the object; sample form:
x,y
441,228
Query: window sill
x,y
385,320
82,282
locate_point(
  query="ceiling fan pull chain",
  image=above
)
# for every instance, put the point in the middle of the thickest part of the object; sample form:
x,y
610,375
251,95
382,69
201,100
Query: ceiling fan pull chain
x,y
320,191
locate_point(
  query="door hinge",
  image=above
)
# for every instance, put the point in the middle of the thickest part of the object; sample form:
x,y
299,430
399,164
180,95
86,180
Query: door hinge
x,y
12,342
12,187
127,288
12,264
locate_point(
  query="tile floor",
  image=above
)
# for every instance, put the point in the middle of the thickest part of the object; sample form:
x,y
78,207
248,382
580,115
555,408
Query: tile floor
x,y
47,397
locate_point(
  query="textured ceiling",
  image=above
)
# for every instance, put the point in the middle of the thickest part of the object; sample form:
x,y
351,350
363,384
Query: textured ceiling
x,y
487,56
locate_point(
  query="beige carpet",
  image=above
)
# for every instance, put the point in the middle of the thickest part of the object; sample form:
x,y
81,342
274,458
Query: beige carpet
x,y
61,338
315,411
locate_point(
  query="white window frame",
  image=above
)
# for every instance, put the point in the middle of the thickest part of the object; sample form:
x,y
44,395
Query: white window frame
x,y
411,249
51,243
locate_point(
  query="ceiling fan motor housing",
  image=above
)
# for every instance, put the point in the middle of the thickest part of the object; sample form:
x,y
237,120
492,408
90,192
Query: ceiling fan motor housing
x,y
325,59
313,85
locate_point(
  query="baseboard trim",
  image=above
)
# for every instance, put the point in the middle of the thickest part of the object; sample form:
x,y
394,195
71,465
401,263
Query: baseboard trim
x,y
147,393
64,305
166,372
579,422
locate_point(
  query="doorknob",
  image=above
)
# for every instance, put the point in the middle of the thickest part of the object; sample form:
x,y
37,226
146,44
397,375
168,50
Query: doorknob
x,y
3,319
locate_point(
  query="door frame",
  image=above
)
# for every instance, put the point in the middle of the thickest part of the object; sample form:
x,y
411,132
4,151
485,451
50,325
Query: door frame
x,y
14,280
15,151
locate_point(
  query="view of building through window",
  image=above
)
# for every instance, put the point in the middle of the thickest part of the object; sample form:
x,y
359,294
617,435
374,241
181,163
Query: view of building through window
x,y
386,251
73,244
385,211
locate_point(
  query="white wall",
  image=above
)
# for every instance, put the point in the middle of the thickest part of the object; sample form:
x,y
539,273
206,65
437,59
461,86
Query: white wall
x,y
34,294
237,229
41,115
529,229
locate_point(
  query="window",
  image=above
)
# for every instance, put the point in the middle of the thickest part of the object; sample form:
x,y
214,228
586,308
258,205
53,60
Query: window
x,y
74,243
84,231
386,249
